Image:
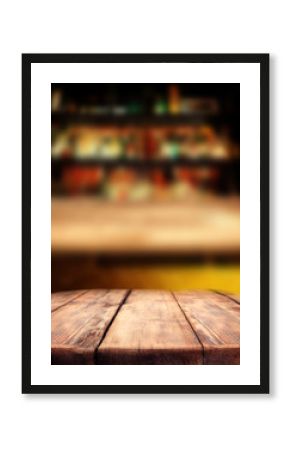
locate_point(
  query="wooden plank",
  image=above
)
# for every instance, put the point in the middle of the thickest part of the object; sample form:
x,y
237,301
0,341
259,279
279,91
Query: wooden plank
x,y
78,327
216,321
150,328
59,299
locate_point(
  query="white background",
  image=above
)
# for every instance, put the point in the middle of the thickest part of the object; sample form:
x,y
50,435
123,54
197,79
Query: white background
x,y
42,372
73,422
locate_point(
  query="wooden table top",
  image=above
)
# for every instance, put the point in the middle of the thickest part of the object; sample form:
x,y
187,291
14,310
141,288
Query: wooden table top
x,y
145,327
201,225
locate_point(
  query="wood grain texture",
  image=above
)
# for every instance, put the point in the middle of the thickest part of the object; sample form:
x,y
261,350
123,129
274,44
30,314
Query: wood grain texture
x,y
78,327
150,328
215,319
60,299
145,327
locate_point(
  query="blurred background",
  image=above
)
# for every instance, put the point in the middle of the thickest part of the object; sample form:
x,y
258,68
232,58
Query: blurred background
x,y
145,186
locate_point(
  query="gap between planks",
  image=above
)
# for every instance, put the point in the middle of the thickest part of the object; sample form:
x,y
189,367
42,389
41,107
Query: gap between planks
x,y
188,321
182,348
230,297
74,351
111,322
69,301
225,344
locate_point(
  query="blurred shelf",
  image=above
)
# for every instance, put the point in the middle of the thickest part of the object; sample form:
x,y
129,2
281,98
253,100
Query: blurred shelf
x,y
146,164
164,119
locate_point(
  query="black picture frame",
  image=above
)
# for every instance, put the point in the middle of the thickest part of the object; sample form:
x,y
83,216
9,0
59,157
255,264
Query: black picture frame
x,y
263,61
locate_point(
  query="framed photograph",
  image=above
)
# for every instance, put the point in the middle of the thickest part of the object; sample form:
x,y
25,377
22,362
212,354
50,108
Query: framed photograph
x,y
145,223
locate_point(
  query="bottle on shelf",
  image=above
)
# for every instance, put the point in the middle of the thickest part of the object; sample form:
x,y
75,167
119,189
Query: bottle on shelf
x,y
160,106
174,101
170,147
